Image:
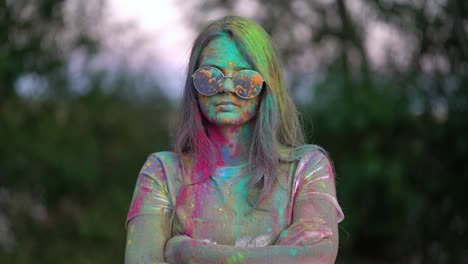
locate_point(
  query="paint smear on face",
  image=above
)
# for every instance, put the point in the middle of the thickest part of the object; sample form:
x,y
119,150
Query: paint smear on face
x,y
223,53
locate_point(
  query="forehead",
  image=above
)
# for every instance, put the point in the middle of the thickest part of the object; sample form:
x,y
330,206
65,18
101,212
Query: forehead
x,y
224,53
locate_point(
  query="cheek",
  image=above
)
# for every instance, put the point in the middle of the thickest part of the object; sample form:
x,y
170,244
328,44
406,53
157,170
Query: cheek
x,y
207,106
204,103
250,109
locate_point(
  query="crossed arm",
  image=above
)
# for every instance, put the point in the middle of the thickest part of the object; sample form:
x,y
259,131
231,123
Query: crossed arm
x,y
308,240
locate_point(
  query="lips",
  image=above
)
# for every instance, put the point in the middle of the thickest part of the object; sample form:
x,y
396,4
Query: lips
x,y
226,103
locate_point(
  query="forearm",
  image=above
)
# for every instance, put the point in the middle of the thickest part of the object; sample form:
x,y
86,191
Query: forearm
x,y
187,250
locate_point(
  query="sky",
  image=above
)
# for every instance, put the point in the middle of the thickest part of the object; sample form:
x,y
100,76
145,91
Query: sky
x,y
169,38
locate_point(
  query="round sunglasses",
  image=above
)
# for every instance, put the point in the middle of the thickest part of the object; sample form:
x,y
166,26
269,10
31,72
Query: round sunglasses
x,y
209,81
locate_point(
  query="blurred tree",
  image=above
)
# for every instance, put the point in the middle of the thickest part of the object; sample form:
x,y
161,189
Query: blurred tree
x,y
36,39
71,140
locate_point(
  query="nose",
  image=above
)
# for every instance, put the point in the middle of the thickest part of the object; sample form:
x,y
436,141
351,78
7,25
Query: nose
x,y
228,85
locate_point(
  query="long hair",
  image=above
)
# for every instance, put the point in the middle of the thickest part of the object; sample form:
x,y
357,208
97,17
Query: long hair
x,y
277,122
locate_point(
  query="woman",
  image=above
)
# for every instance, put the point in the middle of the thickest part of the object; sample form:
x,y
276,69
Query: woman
x,y
240,186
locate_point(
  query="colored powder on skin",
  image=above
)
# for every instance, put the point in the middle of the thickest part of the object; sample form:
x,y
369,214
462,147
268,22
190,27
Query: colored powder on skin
x,y
293,252
201,167
226,56
246,132
238,258
218,138
226,149
225,152
254,42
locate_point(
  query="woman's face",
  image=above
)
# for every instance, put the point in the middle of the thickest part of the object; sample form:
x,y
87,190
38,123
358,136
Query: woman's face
x,y
225,107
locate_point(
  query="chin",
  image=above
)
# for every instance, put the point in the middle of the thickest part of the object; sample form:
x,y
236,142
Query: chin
x,y
229,122
229,118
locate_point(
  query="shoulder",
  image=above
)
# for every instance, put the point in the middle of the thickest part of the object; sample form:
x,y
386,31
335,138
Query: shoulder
x,y
315,178
312,163
304,153
158,164
305,163
164,157
315,156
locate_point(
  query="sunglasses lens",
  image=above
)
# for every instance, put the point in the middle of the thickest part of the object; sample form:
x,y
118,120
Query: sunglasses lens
x,y
207,80
247,83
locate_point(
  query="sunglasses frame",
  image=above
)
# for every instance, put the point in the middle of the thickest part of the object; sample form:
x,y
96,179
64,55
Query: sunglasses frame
x,y
224,77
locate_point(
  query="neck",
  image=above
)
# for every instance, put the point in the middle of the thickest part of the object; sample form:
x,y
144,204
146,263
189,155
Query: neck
x,y
232,143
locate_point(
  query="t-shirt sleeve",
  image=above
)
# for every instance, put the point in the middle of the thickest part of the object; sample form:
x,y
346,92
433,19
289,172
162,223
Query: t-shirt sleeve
x,y
151,195
315,180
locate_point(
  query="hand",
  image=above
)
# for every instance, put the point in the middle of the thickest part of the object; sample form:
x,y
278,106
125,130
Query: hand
x,y
259,241
304,233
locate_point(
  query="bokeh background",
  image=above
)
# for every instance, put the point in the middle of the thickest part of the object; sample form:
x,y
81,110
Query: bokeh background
x,y
89,88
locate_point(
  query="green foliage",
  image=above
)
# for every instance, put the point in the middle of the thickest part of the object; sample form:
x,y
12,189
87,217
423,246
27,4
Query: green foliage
x,y
68,160
400,174
82,158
